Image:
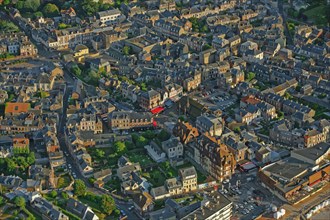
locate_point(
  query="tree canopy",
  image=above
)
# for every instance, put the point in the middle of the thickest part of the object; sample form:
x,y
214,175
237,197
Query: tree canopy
x,y
20,201
107,204
50,10
79,188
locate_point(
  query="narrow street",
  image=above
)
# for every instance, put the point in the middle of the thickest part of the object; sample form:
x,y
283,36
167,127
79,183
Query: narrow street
x,y
286,29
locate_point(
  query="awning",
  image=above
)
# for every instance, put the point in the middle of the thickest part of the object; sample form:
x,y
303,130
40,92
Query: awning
x,y
157,110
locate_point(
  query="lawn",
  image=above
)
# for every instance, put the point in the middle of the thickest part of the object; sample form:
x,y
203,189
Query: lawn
x,y
317,14
143,159
155,177
64,181
113,184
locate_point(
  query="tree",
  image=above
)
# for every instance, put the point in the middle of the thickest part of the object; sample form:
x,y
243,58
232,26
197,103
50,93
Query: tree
x,y
20,201
250,76
53,194
107,204
120,147
127,50
99,153
11,165
31,158
50,10
2,201
79,188
141,141
207,46
76,70
149,134
163,135
65,195
31,5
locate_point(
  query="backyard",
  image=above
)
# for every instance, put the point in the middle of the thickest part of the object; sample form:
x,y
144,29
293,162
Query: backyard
x,y
141,158
317,14
155,177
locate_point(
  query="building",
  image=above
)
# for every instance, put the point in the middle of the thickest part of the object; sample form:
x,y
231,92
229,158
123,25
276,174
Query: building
x,y
188,177
109,16
127,120
173,148
193,82
209,123
213,157
214,206
81,210
16,108
185,131
149,99
289,176
143,203
21,144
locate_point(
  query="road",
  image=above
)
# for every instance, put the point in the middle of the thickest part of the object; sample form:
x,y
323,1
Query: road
x,y
286,29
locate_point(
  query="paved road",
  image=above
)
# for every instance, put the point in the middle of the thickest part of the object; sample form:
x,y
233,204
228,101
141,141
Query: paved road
x,y
286,29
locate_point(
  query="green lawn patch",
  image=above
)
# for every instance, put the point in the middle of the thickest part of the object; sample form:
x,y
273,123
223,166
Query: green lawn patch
x,y
317,14
64,181
155,177
143,159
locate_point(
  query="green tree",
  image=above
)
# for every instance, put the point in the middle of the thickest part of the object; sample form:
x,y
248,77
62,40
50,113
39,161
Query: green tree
x,y
11,165
31,5
20,201
149,135
79,188
99,153
163,135
107,204
250,76
60,182
120,147
53,194
141,142
65,195
127,50
31,158
207,46
50,10
6,2
2,201
38,14
76,70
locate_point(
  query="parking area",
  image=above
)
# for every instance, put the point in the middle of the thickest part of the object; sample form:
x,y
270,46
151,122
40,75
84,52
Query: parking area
x,y
250,199
221,100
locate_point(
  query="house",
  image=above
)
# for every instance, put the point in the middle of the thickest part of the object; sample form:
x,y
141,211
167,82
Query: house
x,y
99,65
21,144
188,177
174,186
124,172
47,210
173,148
109,16
103,175
155,152
16,108
127,120
81,210
193,82
213,156
185,131
209,123
3,96
149,99
80,51
143,203
159,193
